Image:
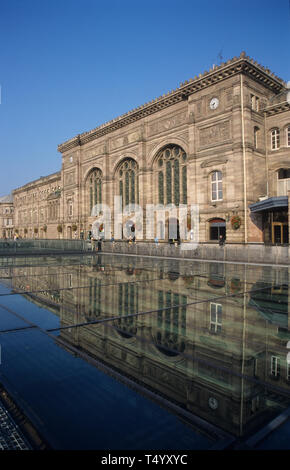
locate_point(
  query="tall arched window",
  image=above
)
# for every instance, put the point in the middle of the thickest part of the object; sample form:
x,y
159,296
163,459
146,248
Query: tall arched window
x,y
288,136
171,323
275,139
216,186
128,296
172,175
95,188
128,182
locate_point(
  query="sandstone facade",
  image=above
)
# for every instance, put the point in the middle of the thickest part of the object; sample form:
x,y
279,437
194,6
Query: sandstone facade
x,y
6,217
220,141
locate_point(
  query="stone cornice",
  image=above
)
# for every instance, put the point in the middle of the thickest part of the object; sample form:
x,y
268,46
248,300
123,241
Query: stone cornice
x,y
39,181
237,65
277,108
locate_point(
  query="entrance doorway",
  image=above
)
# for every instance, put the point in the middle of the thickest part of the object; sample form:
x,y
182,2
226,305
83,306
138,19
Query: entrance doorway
x,y
217,228
173,230
280,233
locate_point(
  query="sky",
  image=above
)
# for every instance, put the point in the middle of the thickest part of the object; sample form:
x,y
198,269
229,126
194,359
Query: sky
x,y
68,66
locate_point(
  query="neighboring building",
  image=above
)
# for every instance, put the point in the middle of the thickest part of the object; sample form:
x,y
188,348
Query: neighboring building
x,y
37,207
275,208
220,141
6,217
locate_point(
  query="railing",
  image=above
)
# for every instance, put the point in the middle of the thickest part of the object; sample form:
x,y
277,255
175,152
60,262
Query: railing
x,y
254,253
8,247
235,252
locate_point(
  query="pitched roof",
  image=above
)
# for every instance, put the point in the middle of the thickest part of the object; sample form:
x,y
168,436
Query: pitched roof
x,y
5,199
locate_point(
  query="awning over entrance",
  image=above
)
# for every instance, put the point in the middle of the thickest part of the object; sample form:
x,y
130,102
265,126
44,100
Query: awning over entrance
x,y
270,203
218,224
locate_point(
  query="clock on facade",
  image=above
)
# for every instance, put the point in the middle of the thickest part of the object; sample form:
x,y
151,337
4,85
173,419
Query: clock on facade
x,y
213,403
214,103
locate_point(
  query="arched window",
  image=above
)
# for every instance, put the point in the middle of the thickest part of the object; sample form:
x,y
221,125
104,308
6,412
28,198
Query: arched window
x,y
288,136
95,188
275,139
128,182
216,186
217,228
171,323
93,301
172,175
128,297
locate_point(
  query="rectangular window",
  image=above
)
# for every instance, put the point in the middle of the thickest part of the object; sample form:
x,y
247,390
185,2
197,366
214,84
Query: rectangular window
x,y
275,366
288,136
70,209
255,102
256,134
275,139
215,317
216,186
283,182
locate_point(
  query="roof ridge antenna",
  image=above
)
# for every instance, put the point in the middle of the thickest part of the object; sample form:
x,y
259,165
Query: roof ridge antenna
x,y
220,56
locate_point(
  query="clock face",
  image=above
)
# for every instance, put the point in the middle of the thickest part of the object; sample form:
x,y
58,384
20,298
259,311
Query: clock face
x,y
214,103
213,403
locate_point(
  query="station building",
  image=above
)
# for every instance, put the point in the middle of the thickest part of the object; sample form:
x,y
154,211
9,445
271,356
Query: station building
x,y
220,141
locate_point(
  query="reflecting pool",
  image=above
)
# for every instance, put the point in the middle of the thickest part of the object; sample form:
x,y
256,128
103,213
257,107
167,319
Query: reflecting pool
x,y
119,352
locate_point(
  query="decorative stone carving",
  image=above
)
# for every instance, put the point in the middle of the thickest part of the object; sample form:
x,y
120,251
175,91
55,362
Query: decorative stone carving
x,y
191,118
198,107
165,124
114,351
134,137
114,144
125,140
98,150
237,99
69,178
214,162
214,134
229,96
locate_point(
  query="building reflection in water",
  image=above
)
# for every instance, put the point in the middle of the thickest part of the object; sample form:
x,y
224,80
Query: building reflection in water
x,y
214,338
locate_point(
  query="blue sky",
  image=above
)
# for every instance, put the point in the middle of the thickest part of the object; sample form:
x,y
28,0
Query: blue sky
x,y
67,66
